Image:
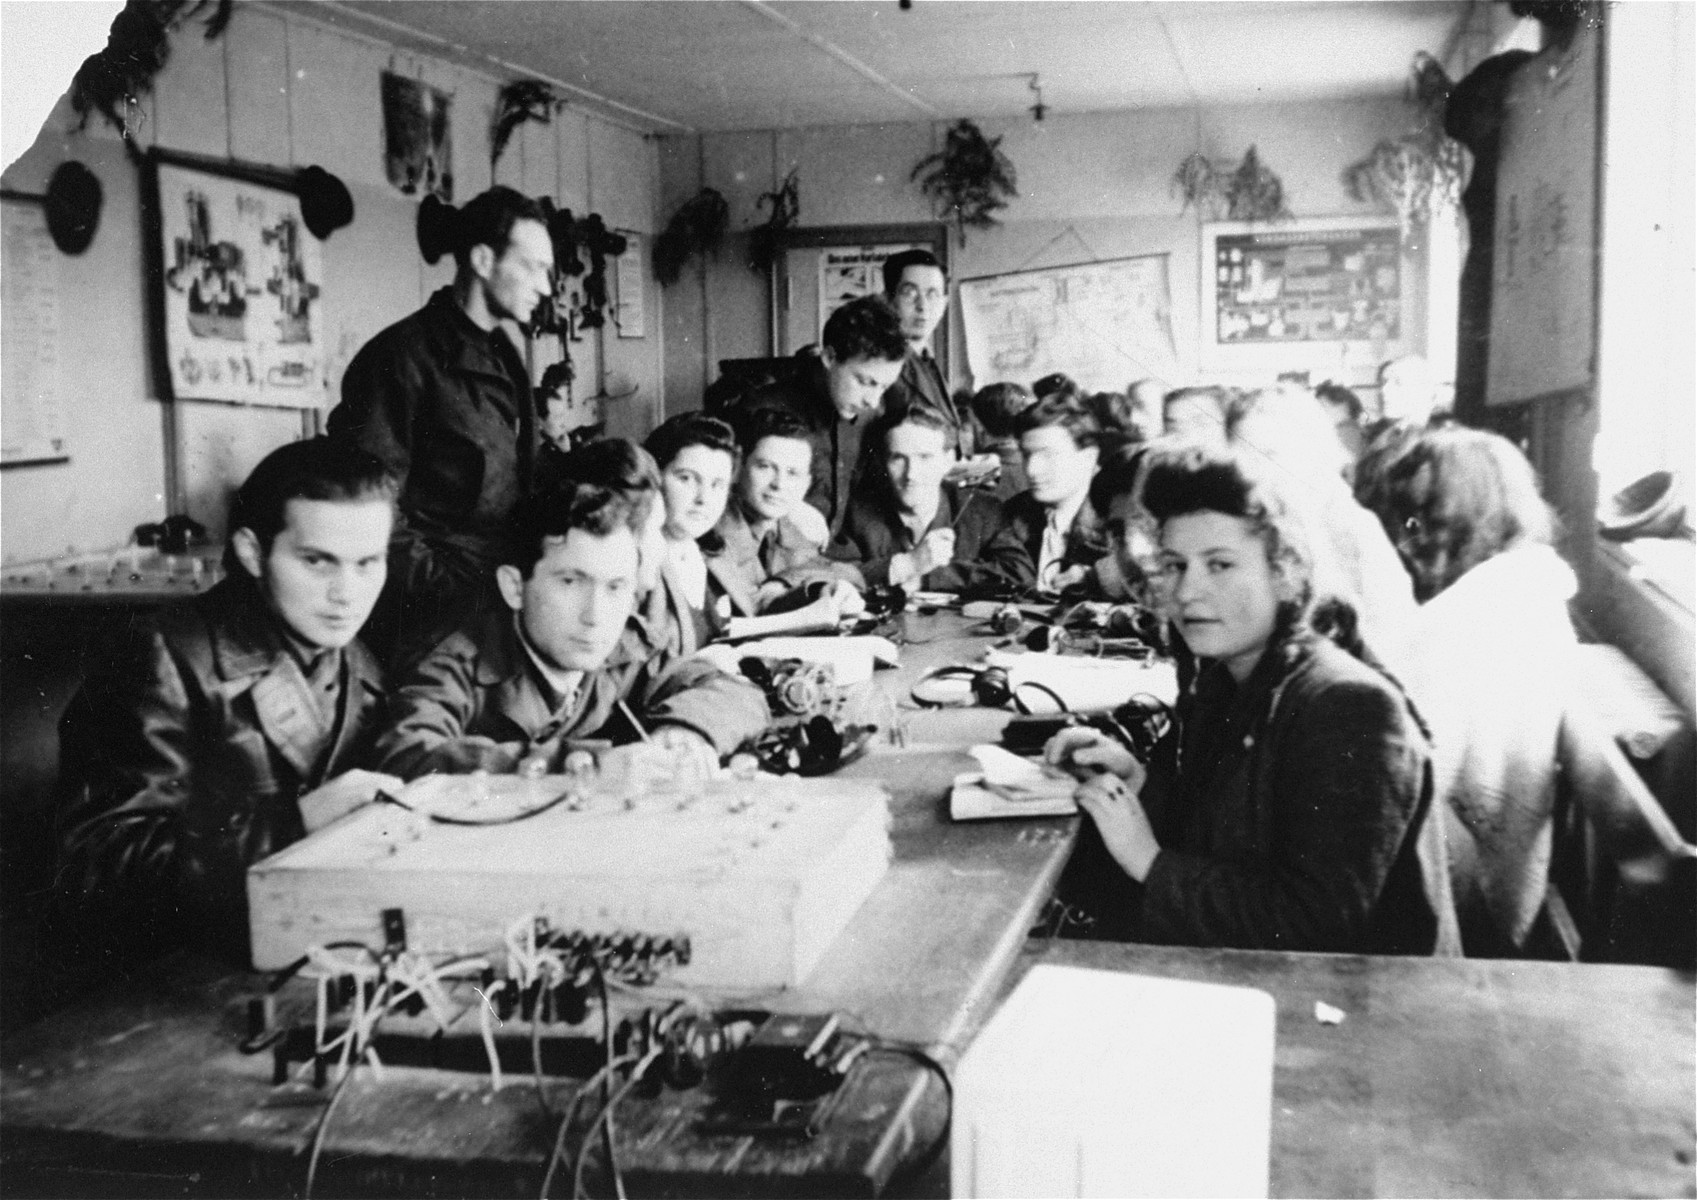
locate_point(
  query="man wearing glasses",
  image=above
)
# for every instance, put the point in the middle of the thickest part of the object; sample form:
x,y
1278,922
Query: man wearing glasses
x,y
443,398
915,282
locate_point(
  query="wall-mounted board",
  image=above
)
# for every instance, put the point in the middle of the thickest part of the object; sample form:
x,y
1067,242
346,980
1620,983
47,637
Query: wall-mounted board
x,y
1319,293
1543,270
32,426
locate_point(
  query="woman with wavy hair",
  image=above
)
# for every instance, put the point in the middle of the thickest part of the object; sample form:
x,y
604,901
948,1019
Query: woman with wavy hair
x,y
1491,666
1287,806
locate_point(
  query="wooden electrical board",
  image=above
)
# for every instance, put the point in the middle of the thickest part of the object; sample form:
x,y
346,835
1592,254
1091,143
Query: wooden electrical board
x,y
760,875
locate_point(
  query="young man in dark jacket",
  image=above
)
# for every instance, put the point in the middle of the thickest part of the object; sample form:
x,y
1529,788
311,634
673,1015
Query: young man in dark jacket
x,y
1052,538
835,390
565,660
185,756
909,528
444,399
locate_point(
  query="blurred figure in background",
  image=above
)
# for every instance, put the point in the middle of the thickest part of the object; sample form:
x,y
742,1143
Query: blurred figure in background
x,y
1345,409
1490,666
997,408
1196,413
1147,397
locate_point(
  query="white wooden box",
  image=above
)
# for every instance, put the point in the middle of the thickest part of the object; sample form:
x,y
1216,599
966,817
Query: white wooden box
x,y
762,875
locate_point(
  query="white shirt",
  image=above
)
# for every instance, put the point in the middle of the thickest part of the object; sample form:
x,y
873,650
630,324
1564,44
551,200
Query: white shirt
x,y
689,570
1054,546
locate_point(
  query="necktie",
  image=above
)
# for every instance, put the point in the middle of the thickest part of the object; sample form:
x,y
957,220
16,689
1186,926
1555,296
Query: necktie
x,y
1049,558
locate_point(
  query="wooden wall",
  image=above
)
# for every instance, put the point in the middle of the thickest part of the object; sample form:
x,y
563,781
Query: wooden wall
x,y
284,90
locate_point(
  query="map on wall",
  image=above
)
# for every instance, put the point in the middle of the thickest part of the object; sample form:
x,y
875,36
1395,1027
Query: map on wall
x,y
1106,324
242,292
850,272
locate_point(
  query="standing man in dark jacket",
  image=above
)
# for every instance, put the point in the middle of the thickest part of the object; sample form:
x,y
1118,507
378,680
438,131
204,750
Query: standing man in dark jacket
x,y
916,284
185,756
444,399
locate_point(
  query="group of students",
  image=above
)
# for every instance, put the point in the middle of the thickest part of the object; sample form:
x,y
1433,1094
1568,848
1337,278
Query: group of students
x,y
1323,777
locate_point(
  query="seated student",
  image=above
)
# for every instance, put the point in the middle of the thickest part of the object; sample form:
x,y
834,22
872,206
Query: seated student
x,y
1286,427
910,528
565,661
698,459
757,555
997,407
1116,416
1052,538
184,756
1287,808
1148,399
835,390
1492,667
1196,414
1343,406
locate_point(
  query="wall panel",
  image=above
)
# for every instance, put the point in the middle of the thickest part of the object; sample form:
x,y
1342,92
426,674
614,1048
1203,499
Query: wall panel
x,y
257,55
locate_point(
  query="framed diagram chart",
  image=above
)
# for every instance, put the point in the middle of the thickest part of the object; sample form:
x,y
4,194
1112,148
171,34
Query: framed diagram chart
x,y
1330,288
238,289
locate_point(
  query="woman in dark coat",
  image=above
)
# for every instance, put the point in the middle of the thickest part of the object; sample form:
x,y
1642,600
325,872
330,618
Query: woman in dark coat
x,y
1287,807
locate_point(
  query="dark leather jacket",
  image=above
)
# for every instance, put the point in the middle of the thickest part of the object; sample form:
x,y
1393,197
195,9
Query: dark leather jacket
x,y
476,703
181,761
872,534
1014,551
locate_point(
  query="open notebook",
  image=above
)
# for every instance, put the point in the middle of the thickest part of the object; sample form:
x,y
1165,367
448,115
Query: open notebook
x,y
1010,786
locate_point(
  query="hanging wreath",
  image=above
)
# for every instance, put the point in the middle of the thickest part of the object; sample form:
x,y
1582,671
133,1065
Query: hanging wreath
x,y
1422,174
517,102
113,80
697,228
785,206
1242,191
970,178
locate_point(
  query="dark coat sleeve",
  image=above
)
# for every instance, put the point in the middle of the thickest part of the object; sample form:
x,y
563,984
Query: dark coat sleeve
x,y
433,714
1008,554
127,763
976,527
1345,780
694,694
380,391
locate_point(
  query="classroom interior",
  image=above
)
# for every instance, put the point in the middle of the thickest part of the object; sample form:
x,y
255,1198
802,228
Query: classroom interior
x,y
651,102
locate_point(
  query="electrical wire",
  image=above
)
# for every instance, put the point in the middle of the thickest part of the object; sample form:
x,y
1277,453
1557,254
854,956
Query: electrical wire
x,y
318,1134
604,1119
558,1156
923,1057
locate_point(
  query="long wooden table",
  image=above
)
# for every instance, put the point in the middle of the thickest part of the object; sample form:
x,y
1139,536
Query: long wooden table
x,y
143,1089
1459,1077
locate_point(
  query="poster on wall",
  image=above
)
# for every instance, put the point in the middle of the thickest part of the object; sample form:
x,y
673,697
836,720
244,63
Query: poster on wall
x,y
1310,292
241,295
418,137
1107,324
850,272
31,423
629,317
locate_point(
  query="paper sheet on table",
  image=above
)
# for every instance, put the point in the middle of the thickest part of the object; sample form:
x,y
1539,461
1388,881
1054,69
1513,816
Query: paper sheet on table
x,y
852,658
1010,786
1086,683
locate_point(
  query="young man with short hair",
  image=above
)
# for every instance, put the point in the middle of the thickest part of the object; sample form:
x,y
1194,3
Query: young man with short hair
x,y
835,390
1052,538
186,754
443,397
912,529
564,659
758,554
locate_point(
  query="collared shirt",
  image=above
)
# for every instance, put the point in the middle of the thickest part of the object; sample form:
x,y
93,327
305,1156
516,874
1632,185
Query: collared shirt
x,y
1054,548
689,570
563,686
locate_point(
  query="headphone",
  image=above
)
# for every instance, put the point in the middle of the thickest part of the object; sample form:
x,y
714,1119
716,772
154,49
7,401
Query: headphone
x,y
987,687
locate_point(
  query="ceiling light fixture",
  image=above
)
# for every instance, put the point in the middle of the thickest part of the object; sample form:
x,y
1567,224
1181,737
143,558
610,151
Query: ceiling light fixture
x,y
1039,108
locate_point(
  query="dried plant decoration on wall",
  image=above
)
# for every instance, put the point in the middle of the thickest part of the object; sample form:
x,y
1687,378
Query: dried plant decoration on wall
x,y
1422,174
970,178
785,205
113,80
1243,191
697,229
520,101
418,137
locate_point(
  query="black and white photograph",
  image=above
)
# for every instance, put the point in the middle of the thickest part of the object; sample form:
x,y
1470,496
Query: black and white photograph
x,y
876,598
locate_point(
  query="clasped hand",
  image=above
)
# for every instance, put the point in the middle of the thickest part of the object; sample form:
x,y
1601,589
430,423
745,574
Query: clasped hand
x,y
1111,780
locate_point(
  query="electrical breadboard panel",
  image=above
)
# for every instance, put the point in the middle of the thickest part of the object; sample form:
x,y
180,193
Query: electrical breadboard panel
x,y
760,876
